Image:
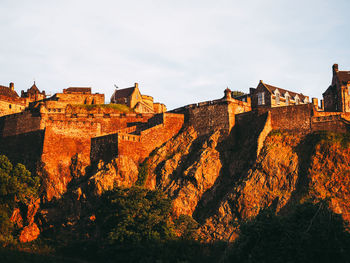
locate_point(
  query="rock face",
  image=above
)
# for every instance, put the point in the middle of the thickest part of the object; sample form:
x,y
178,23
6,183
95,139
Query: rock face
x,y
221,180
121,172
185,168
29,233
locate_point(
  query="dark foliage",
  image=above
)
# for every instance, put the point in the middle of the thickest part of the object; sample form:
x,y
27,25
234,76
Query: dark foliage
x,y
17,186
311,233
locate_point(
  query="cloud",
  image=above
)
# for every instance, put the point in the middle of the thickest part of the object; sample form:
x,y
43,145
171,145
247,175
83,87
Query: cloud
x,y
180,52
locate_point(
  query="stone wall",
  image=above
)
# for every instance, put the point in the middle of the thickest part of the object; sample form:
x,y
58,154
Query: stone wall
x,y
10,105
68,136
157,131
292,118
212,115
25,148
19,123
80,98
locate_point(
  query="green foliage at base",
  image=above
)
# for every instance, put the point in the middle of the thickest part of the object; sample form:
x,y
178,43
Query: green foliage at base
x,y
17,186
143,173
135,215
311,233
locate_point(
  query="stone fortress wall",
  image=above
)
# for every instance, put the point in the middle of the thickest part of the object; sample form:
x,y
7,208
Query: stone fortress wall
x,y
70,125
211,115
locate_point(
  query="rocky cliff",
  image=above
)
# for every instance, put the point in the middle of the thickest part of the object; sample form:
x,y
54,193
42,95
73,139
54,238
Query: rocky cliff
x,y
218,180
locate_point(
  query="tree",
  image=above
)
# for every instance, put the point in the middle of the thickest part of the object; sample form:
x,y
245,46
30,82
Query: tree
x,y
17,186
310,233
237,93
135,215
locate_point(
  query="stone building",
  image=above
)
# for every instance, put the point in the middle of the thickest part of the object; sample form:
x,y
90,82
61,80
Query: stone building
x,y
33,94
265,95
77,95
337,96
133,98
10,102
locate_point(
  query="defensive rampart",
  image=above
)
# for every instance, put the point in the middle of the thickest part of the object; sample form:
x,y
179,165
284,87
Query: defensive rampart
x,y
139,144
211,115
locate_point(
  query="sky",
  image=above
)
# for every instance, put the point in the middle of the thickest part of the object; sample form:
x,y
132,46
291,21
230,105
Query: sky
x,y
180,52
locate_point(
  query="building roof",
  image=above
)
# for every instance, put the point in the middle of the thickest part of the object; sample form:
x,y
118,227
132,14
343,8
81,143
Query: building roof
x,y
6,91
33,89
77,90
343,76
123,93
283,91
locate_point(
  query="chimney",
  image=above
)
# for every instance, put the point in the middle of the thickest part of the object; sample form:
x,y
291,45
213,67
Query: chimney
x,y
228,95
136,85
335,67
322,104
12,86
315,103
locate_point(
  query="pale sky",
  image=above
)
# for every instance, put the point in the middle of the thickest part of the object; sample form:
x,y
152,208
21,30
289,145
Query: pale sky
x,y
180,52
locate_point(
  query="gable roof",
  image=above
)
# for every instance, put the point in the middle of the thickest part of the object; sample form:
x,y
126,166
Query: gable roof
x,y
123,93
283,91
77,90
343,76
33,89
6,91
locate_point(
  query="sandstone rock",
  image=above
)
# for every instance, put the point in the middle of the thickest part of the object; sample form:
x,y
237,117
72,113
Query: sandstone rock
x,y
29,233
16,218
33,208
120,172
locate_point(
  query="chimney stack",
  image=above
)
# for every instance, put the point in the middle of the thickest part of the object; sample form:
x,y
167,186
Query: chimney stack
x,y
12,86
228,94
136,85
335,67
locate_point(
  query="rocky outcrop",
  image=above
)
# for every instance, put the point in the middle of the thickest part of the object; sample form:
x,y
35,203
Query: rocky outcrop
x,y
222,180
29,233
191,169
120,172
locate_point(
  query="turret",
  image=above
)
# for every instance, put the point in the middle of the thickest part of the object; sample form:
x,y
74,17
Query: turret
x,y
228,94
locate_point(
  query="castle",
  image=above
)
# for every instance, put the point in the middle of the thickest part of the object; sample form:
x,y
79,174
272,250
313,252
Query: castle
x,y
50,134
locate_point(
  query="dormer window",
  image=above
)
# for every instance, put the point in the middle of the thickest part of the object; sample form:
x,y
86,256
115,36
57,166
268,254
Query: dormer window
x,y
287,98
261,98
277,94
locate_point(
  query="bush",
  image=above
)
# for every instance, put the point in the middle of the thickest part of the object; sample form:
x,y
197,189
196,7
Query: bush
x,y
310,233
135,215
17,186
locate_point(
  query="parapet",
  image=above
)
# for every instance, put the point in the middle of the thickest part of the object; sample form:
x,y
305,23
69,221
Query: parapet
x,y
80,90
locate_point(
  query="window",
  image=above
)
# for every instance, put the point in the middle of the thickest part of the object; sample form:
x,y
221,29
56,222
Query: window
x,y
278,99
10,106
287,99
261,98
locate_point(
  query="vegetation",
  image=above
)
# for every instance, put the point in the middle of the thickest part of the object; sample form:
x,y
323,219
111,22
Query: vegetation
x,y
143,173
17,187
135,225
135,215
118,107
237,93
310,233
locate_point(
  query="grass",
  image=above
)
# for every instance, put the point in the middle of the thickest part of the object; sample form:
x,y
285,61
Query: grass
x,y
143,173
118,107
